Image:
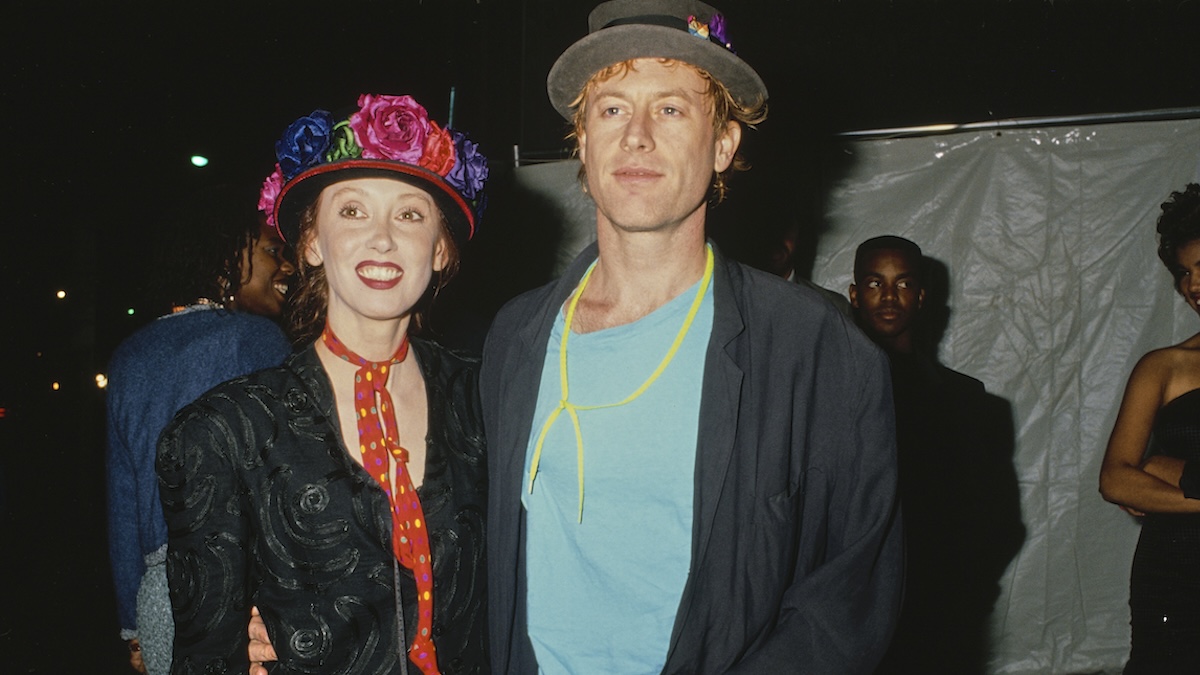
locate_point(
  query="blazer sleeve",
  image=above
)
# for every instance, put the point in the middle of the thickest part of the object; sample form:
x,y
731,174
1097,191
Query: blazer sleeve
x,y
839,614
208,537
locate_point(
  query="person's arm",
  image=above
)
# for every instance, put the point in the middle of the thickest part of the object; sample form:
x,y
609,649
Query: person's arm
x,y
208,535
839,617
124,540
1124,478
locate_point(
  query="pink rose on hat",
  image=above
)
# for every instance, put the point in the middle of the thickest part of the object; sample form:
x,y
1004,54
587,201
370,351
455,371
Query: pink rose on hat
x,y
269,193
390,127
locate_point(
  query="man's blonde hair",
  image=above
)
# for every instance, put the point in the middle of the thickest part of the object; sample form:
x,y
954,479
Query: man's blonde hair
x,y
724,107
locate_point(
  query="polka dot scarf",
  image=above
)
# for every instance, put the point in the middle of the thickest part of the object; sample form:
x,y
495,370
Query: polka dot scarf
x,y
410,542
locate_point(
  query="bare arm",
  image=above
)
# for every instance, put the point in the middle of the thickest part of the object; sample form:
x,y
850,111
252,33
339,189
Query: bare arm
x,y
1151,487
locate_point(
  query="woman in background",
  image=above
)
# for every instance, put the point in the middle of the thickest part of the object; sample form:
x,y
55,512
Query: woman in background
x,y
225,275
1162,401
343,493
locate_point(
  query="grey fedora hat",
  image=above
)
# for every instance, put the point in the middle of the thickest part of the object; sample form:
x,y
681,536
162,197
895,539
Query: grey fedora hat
x,y
619,30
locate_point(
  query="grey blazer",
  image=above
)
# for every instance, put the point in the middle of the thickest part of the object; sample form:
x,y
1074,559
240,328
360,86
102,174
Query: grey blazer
x,y
796,542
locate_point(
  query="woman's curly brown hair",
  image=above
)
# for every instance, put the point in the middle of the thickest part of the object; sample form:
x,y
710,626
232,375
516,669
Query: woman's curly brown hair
x,y
308,305
1178,225
724,108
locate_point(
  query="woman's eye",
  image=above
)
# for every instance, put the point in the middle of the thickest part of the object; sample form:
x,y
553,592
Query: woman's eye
x,y
349,211
411,214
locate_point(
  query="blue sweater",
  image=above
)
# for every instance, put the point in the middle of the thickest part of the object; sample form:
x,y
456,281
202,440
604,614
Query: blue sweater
x,y
155,372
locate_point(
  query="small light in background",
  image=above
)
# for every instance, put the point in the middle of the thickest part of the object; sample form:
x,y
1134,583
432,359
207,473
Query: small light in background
x,y
129,311
54,386
101,381
199,160
60,295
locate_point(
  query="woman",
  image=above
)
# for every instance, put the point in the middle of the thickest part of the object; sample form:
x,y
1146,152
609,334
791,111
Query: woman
x,y
225,274
1162,399
344,492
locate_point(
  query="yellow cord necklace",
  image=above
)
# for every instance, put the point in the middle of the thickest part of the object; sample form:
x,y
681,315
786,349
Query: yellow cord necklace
x,y
572,409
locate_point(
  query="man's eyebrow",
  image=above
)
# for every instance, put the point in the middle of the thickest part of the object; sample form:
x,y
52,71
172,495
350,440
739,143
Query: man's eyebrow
x,y
680,92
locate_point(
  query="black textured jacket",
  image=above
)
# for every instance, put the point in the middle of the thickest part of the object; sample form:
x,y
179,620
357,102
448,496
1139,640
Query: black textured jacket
x,y
796,541
265,507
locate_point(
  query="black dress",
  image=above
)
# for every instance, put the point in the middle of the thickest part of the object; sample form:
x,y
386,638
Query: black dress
x,y
1164,589
265,507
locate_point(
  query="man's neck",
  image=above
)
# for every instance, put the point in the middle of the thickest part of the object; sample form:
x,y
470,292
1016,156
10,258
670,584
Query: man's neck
x,y
901,345
638,272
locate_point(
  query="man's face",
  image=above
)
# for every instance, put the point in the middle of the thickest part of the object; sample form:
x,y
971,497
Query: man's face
x,y
649,148
887,296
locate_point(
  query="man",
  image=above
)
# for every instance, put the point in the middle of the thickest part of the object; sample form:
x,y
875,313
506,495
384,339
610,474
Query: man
x,y
782,262
691,462
957,484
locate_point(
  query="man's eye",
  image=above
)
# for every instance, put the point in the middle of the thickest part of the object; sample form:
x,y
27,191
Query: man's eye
x,y
670,110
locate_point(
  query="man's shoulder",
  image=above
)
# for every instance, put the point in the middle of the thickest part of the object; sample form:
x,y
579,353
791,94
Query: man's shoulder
x,y
522,309
960,382
770,300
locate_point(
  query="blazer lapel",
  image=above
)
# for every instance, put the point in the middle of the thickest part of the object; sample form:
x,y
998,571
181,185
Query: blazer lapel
x,y
719,404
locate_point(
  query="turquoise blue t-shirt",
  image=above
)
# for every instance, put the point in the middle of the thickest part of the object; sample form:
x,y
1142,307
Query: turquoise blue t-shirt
x,y
603,593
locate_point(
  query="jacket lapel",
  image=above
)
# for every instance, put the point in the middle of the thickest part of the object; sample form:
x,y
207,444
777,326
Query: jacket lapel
x,y
719,404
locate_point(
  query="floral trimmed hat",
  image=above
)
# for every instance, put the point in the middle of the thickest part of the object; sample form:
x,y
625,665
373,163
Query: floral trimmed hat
x,y
388,136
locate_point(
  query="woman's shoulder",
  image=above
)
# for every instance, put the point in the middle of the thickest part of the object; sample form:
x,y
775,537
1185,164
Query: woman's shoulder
x,y
1182,355
437,359
1170,370
249,395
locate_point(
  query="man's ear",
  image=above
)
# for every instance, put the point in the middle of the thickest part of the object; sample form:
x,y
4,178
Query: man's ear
x,y
921,299
853,292
727,143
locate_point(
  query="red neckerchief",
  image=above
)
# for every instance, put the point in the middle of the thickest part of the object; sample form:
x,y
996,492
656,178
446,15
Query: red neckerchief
x,y
410,538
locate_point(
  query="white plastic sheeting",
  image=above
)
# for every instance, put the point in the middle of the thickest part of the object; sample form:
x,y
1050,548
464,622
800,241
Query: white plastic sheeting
x,y
1055,292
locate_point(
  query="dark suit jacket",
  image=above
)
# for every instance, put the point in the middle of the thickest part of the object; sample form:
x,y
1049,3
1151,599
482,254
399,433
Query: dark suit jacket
x,y
264,506
796,544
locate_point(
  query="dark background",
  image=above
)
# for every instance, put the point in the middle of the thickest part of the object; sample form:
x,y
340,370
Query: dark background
x,y
103,104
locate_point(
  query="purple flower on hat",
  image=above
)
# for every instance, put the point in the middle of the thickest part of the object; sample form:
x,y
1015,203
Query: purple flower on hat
x,y
269,193
470,170
304,143
716,28
390,127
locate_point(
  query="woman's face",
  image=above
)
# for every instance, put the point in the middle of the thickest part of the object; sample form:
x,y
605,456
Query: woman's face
x,y
380,241
266,272
1188,257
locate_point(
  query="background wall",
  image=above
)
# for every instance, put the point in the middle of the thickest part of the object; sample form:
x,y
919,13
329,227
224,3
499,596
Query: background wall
x,y
1055,292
